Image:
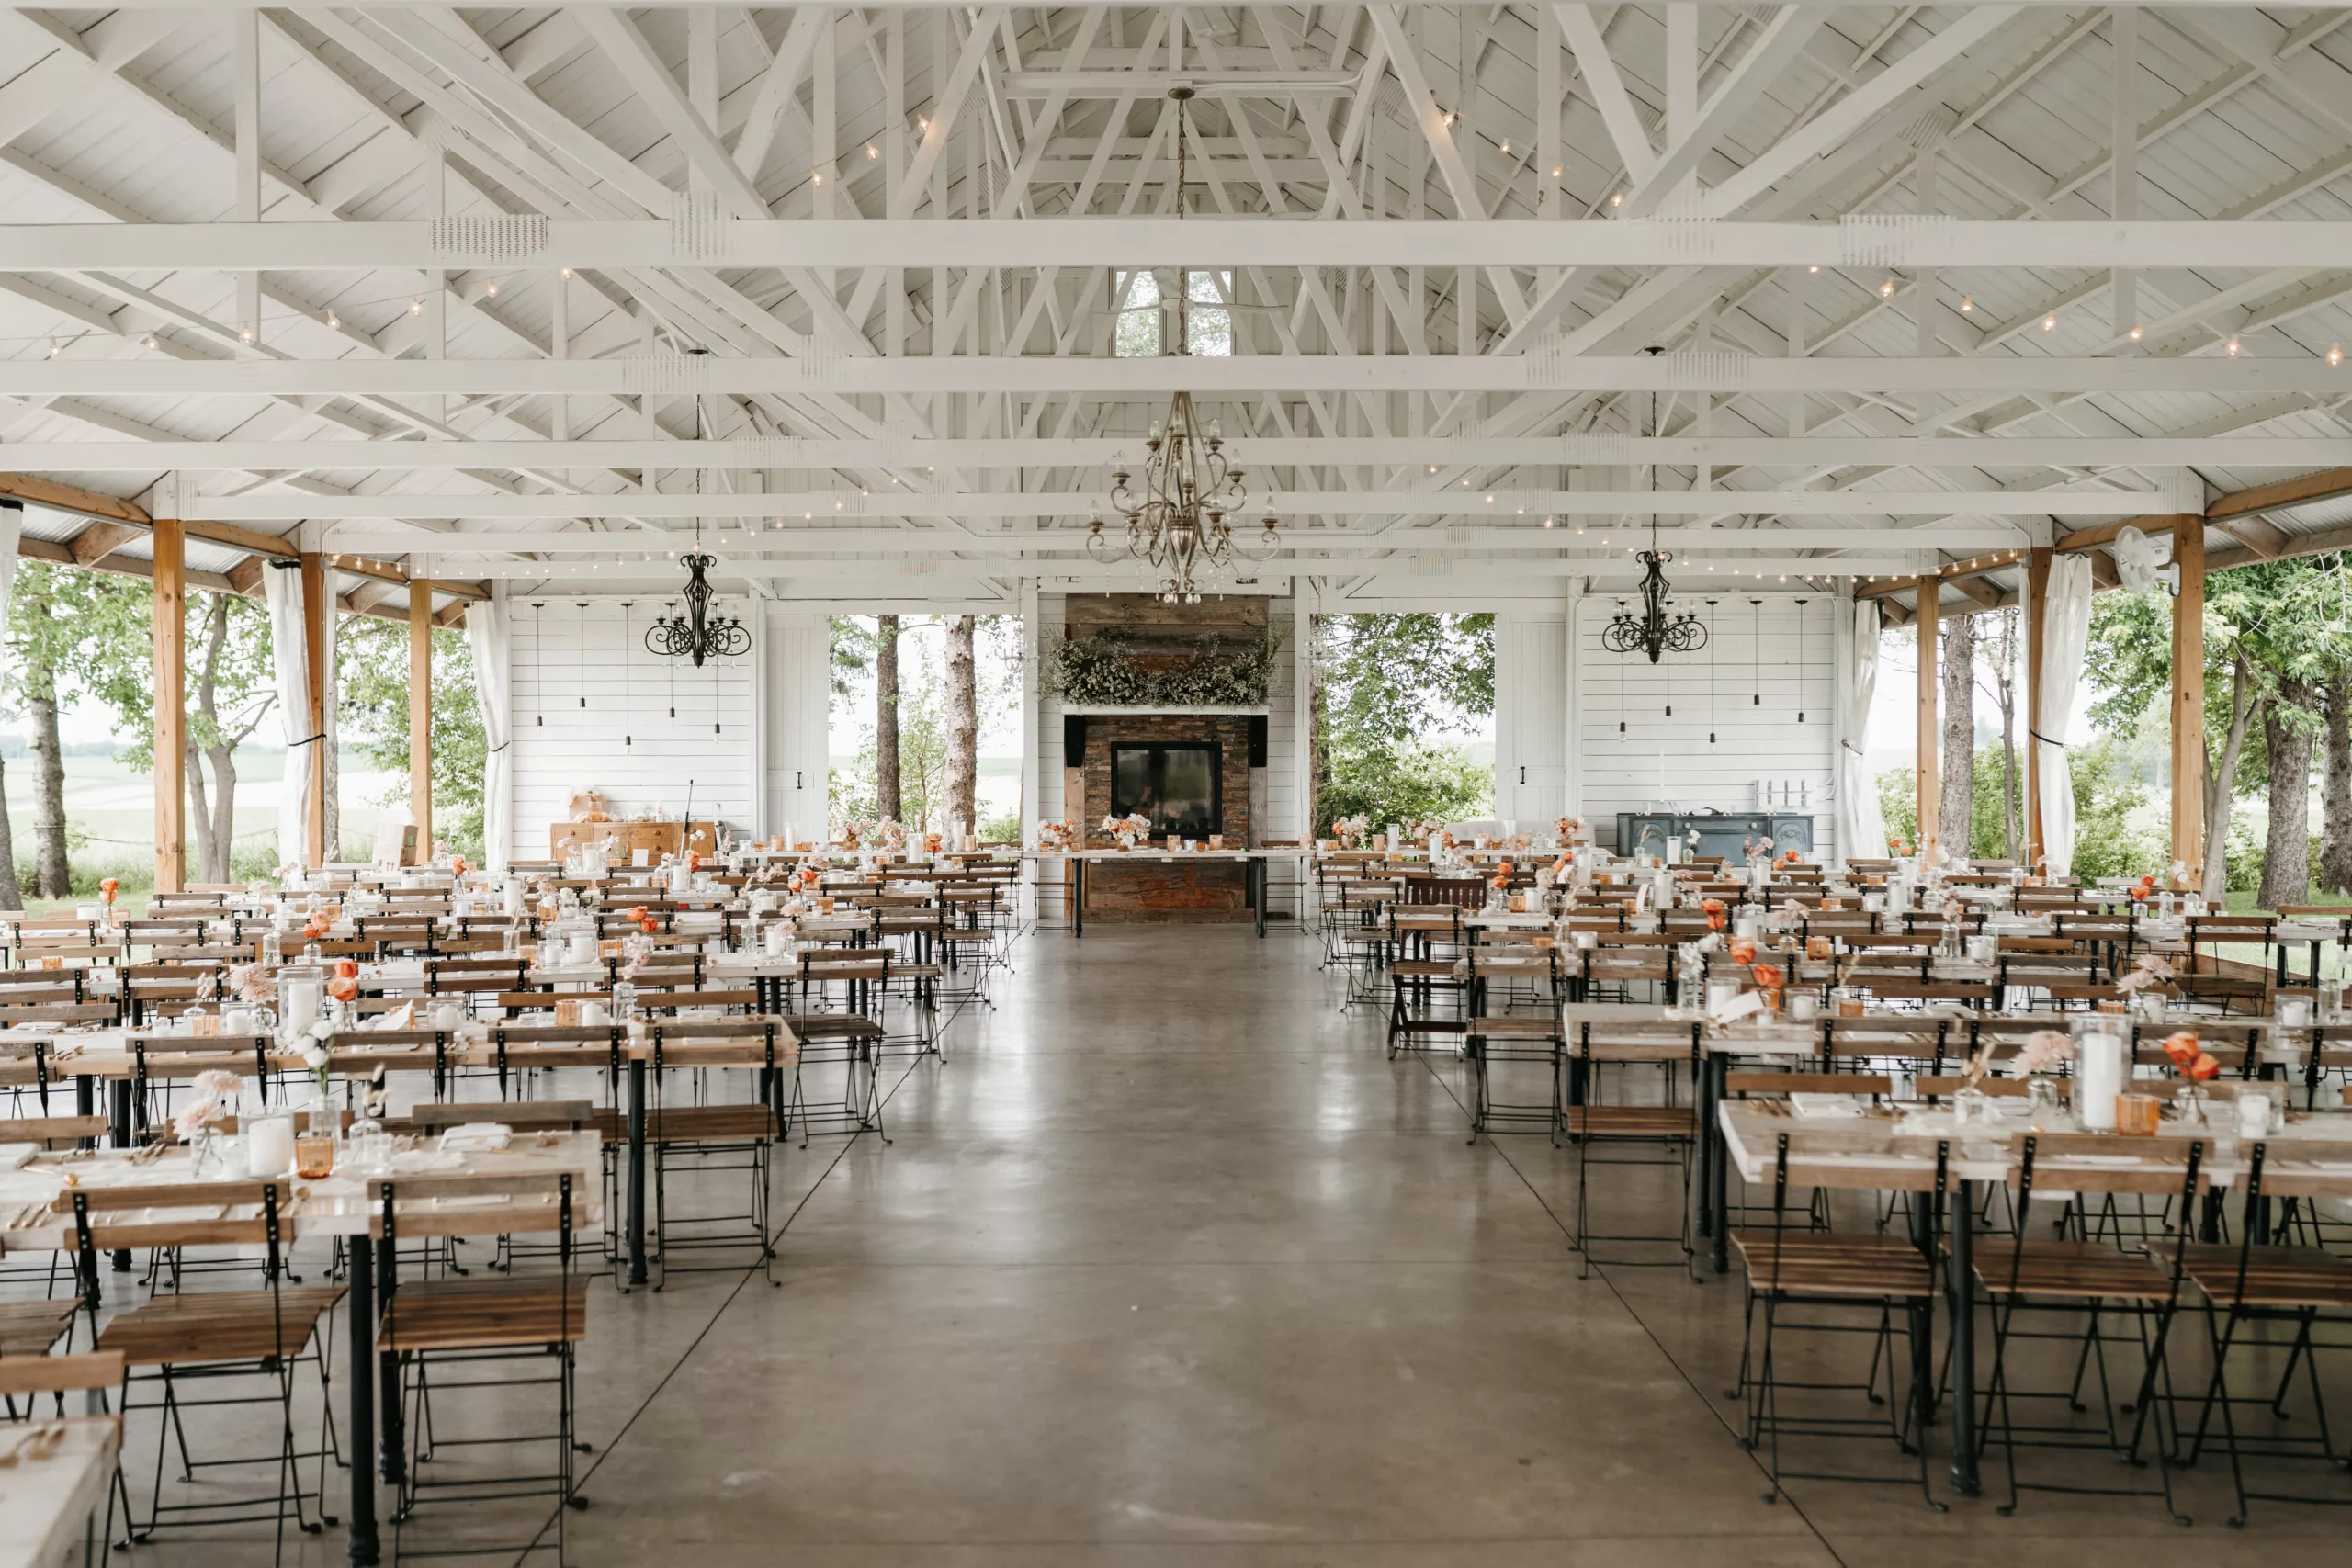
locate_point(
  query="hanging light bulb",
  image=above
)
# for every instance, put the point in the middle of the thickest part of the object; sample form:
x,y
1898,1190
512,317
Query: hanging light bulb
x,y
2049,321
1967,304
2233,347
567,272
334,320
492,290
1886,289
1617,198
1505,147
2335,353
416,307
871,151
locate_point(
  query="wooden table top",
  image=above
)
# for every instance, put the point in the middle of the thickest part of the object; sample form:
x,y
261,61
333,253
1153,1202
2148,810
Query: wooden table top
x,y
46,1503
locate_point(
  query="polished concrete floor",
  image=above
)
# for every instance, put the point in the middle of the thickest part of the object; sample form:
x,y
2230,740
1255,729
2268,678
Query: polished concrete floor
x,y
1166,1264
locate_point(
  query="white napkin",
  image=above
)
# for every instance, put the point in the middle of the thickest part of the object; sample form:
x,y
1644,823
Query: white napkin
x,y
475,1135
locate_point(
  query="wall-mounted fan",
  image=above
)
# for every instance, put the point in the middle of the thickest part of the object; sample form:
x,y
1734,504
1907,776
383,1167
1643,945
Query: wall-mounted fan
x,y
2141,560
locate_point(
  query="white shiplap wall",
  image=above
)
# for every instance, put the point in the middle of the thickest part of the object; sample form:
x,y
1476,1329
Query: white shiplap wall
x,y
1779,651
582,682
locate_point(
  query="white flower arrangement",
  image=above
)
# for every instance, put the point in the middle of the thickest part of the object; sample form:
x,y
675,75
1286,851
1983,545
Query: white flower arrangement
x,y
212,1089
2043,1051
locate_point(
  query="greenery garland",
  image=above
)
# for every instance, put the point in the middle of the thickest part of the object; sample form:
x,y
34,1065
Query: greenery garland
x,y
1106,670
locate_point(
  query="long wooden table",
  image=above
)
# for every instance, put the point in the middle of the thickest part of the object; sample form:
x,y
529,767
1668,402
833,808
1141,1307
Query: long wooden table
x,y
335,1206
107,1057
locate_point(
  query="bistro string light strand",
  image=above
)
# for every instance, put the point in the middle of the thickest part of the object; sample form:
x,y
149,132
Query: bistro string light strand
x,y
538,667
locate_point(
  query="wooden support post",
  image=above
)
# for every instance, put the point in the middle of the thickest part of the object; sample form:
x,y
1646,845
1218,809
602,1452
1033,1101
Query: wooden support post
x,y
2188,697
2037,612
315,646
170,614
420,715
1930,780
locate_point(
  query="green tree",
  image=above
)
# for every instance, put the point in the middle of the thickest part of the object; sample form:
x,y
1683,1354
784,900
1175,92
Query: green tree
x,y
231,689
1387,687
2267,623
371,668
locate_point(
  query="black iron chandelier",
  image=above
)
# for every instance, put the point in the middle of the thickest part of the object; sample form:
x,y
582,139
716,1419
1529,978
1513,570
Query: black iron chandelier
x,y
1655,630
1176,519
697,635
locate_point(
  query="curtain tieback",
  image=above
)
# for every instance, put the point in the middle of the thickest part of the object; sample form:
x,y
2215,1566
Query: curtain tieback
x,y
2045,740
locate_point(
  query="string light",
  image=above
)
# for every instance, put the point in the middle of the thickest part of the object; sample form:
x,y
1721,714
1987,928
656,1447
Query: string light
x,y
816,176
2233,347
1886,289
1506,149
567,272
416,307
2049,322
334,320
1967,304
2136,334
1813,269
1617,198
1556,171
871,151
2335,353
492,290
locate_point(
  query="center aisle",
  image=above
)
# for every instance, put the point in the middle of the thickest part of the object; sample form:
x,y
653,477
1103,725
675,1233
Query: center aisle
x,y
1168,1264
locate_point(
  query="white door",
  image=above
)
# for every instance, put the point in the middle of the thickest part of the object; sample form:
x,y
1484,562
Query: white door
x,y
1530,719
799,698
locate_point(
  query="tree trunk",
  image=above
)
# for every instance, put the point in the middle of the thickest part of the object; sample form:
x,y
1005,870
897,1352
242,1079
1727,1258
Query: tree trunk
x,y
888,799
2005,689
199,808
215,860
333,802
963,726
2335,789
52,864
11,895
211,845
2286,851
1955,812
2220,780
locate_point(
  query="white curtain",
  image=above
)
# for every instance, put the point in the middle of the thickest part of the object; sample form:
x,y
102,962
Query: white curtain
x,y
290,649
2066,633
12,528
490,633
1861,825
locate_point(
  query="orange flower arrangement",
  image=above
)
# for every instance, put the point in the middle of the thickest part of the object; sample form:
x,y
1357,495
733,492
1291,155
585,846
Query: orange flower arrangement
x,y
1789,858
457,865
315,928
1743,950
108,888
1713,909
1500,881
634,914
1769,976
2190,1059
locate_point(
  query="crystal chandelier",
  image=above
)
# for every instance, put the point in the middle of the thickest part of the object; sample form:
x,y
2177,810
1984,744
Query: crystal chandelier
x,y
1655,630
1176,518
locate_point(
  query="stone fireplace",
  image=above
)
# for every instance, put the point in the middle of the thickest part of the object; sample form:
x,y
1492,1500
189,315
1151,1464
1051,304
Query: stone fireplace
x,y
1200,770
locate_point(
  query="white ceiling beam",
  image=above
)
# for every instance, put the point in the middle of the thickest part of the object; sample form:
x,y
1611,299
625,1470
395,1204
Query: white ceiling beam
x,y
1857,108
1159,375
1206,240
626,47
1618,114
362,539
1366,503
1784,39
330,452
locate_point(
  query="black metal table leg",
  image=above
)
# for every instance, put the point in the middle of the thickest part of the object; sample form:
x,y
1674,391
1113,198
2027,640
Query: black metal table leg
x,y
120,1134
388,1376
1257,880
1920,1317
637,1170
1715,1217
86,1100
1960,1289
361,1299
1078,896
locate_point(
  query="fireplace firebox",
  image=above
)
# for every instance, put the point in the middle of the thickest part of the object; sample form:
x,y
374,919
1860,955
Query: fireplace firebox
x,y
1179,788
